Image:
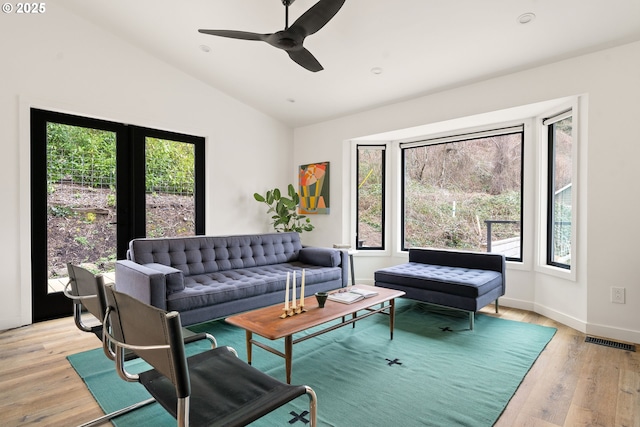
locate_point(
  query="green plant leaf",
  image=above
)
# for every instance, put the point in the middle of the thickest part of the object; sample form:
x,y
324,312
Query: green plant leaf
x,y
292,191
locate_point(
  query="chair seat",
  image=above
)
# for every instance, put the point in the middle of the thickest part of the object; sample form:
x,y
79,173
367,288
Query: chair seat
x,y
225,391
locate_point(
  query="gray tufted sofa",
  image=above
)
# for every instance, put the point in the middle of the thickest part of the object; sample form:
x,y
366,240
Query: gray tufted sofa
x,y
462,280
210,277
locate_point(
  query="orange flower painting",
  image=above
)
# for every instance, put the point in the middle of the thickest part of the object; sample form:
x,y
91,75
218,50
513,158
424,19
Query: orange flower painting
x,y
314,188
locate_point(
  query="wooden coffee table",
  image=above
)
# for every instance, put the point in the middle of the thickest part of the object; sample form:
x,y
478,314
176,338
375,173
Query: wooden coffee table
x,y
267,323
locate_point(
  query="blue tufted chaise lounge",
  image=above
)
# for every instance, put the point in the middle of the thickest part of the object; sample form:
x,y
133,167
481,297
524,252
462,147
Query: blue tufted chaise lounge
x,y
210,277
462,280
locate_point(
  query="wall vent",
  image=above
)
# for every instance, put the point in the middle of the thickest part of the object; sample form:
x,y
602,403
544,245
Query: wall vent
x,y
609,343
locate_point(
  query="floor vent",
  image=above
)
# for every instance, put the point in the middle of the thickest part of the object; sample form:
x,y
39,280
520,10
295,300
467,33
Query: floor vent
x,y
609,343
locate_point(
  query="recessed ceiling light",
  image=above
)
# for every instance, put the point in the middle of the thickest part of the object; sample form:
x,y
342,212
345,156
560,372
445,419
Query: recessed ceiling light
x,y
376,70
525,18
205,48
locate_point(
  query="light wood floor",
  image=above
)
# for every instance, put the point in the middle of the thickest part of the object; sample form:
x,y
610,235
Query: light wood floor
x,y
572,383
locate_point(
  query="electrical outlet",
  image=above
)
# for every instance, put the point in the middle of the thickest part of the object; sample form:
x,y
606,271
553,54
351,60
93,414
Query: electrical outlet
x,y
617,295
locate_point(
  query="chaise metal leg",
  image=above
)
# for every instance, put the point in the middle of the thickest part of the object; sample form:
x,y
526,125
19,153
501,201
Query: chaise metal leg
x,y
496,305
472,319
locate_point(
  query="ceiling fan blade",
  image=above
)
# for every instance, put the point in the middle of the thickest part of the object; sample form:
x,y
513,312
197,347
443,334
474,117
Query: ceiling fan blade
x,y
317,16
304,58
291,38
242,35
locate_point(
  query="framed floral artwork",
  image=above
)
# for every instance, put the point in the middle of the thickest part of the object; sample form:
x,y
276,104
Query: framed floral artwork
x,y
314,188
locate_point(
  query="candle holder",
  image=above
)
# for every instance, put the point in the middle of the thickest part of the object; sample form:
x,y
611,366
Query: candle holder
x,y
293,310
288,312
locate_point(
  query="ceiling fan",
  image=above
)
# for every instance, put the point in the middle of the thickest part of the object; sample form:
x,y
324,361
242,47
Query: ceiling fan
x,y
291,38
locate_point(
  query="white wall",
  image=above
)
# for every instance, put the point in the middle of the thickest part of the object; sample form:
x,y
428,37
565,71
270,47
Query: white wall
x,y
608,83
60,62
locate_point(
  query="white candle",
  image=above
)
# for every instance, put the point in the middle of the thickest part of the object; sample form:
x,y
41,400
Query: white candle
x,y
293,300
286,294
302,289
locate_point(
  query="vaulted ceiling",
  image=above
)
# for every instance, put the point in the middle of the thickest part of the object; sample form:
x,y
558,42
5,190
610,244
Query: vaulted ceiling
x,y
375,52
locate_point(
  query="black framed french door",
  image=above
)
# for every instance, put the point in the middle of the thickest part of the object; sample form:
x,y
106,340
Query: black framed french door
x,y
95,185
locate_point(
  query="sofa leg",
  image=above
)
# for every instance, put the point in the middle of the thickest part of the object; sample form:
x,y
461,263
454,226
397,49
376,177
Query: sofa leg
x,y
496,305
472,318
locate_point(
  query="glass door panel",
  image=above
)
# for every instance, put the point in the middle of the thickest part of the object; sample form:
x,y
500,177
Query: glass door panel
x,y
81,201
170,188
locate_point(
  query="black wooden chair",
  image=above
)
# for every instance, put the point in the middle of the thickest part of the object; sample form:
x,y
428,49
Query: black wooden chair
x,y
212,388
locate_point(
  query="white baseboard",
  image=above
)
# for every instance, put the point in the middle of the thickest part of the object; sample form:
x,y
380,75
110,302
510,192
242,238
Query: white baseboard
x,y
12,322
603,331
563,318
570,321
515,303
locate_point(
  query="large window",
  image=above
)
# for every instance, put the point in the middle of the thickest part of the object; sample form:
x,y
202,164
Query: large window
x,y
370,197
464,192
559,190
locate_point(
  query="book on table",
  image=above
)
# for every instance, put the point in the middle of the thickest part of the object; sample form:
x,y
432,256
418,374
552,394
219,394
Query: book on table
x,y
352,295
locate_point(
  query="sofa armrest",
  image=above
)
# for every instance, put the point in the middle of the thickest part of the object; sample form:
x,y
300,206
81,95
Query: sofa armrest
x,y
173,278
144,283
344,262
326,257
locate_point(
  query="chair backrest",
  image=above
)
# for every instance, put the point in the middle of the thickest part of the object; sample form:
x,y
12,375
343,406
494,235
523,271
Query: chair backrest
x,y
151,333
86,288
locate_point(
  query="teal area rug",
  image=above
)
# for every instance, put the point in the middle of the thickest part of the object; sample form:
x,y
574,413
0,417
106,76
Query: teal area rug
x,y
435,372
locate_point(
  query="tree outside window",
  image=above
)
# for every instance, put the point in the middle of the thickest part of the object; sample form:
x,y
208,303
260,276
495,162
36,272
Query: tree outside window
x,y
370,194
465,193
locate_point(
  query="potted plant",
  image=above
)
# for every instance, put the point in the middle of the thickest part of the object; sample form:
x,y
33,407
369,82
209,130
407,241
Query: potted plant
x,y
285,216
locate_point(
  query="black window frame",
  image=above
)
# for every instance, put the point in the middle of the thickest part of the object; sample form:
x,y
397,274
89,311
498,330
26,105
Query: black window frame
x,y
383,167
495,131
551,174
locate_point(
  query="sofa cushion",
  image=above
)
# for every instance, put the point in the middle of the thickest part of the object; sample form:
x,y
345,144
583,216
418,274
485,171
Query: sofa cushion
x,y
466,282
224,286
174,278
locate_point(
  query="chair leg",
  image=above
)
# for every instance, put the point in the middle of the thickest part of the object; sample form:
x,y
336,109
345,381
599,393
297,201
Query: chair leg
x,y
183,412
496,305
103,419
313,407
77,318
472,318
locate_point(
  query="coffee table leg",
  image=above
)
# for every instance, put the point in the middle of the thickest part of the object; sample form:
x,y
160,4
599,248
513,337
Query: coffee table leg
x,y
288,354
392,315
249,336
